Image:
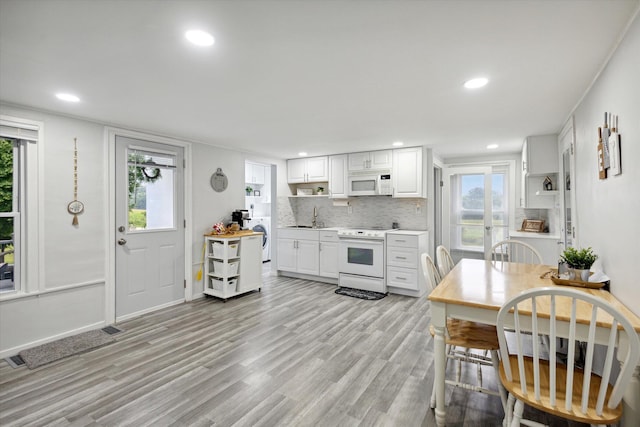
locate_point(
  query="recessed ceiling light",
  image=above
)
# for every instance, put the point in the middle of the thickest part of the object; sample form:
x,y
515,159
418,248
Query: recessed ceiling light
x,y
302,154
492,146
67,97
398,144
199,37
476,83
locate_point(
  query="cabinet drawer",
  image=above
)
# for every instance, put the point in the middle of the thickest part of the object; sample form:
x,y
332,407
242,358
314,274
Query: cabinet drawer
x,y
298,234
402,240
406,278
402,257
328,236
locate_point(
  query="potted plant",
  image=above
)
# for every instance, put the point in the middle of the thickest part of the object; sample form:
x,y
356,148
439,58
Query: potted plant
x,y
320,190
580,260
249,190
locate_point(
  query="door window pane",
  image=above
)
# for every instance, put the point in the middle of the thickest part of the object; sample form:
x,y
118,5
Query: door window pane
x,y
151,190
470,218
499,207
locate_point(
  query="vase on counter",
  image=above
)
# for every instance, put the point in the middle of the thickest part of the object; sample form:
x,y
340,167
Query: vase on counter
x,y
582,274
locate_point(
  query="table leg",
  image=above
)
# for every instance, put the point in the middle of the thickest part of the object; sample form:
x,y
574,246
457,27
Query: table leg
x,y
439,321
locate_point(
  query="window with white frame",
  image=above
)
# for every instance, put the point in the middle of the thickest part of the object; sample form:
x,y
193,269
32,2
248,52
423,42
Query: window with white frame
x,y
19,172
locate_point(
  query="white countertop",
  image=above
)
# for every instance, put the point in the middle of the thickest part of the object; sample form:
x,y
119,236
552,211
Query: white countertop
x,y
533,235
407,232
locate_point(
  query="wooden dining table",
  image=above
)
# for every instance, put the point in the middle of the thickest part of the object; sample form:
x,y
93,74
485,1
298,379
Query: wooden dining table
x,y
476,289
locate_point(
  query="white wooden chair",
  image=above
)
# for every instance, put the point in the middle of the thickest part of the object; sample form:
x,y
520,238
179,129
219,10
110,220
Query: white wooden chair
x,y
467,335
545,384
515,251
444,260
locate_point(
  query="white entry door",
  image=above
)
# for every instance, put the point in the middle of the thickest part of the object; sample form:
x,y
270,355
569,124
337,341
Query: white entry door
x,y
149,226
475,210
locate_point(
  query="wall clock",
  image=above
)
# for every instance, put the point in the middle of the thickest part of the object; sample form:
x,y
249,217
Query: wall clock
x,y
219,181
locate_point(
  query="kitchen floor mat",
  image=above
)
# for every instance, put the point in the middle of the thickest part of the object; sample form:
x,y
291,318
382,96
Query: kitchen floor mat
x,y
359,293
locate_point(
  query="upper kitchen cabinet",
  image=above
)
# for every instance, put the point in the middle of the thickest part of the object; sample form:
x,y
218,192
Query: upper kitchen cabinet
x,y
371,160
253,173
539,160
312,169
409,179
540,155
338,176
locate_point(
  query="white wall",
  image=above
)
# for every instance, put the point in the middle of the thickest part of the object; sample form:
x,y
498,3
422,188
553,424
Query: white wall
x,y
71,292
72,295
608,210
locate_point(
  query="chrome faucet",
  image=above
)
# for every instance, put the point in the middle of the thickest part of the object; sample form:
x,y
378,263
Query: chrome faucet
x,y
314,222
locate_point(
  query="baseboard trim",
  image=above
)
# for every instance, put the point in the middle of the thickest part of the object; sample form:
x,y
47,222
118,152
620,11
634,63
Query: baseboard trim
x,y
148,310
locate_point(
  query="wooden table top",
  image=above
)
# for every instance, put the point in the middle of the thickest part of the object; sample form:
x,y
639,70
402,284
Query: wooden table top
x,y
235,234
487,284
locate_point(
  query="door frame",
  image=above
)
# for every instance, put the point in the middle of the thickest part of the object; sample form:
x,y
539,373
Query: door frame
x,y
446,197
110,249
447,173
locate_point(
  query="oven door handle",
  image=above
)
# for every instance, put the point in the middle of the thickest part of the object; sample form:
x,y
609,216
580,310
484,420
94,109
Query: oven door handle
x,y
361,241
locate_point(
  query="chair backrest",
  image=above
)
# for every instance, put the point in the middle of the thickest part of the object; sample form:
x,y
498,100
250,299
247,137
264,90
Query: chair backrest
x,y
444,260
521,314
431,274
515,251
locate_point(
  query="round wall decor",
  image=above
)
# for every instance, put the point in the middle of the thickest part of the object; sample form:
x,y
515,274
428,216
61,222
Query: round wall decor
x,y
219,181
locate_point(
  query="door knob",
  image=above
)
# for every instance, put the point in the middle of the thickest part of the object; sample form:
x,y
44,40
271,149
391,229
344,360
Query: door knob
x,y
121,242
487,228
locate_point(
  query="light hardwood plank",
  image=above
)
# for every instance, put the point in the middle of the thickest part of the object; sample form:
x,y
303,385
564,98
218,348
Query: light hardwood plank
x,y
294,354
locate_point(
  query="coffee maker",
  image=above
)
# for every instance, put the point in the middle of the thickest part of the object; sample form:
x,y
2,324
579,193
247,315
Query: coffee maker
x,y
239,216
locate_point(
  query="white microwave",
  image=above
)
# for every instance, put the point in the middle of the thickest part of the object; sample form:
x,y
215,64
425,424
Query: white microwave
x,y
370,183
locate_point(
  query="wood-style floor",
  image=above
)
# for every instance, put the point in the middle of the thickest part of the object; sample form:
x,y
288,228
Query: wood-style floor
x,y
295,354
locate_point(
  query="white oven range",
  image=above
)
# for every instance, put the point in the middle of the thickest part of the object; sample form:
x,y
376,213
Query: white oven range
x,y
361,259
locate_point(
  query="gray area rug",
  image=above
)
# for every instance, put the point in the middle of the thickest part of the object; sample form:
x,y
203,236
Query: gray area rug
x,y
47,353
359,293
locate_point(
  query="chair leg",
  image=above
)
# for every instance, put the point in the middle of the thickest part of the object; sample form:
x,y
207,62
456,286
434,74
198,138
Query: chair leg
x,y
517,414
495,361
511,400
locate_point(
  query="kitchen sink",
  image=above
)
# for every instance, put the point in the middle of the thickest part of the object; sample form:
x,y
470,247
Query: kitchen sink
x,y
299,226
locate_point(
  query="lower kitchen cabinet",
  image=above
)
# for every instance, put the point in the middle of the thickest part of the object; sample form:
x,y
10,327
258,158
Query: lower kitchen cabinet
x,y
232,265
298,251
404,273
329,254
549,246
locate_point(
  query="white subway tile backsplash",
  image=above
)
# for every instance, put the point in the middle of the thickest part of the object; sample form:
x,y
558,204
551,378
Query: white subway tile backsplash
x,y
367,212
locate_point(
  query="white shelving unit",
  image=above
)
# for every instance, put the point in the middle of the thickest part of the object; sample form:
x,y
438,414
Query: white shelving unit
x,y
227,261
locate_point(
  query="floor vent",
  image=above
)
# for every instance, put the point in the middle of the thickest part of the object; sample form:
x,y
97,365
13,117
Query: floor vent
x,y
15,361
111,330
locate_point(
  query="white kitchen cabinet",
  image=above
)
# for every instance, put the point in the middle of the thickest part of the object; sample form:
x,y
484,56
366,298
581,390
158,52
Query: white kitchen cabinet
x,y
298,251
250,263
312,169
381,159
404,275
540,155
549,246
329,254
408,175
338,176
539,159
232,265
254,173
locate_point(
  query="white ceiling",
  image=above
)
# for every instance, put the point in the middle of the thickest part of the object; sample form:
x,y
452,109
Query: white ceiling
x,y
318,76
